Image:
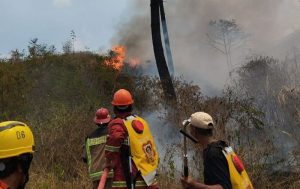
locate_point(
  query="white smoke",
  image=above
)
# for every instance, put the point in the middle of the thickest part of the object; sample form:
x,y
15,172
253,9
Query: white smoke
x,y
269,23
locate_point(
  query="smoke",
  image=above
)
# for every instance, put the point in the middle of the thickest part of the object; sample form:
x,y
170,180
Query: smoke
x,y
272,27
168,142
165,133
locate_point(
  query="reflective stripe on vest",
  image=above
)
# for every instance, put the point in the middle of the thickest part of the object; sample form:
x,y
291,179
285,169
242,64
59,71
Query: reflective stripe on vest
x,y
117,184
239,180
143,150
92,142
97,175
138,183
114,148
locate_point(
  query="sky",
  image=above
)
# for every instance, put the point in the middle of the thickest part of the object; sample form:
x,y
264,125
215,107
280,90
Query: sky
x,y
51,21
273,28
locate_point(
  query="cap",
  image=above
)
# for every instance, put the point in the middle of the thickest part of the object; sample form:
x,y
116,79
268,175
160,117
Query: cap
x,y
202,120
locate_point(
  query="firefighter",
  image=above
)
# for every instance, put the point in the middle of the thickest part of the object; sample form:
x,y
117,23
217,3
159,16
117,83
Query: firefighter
x,y
94,150
130,148
16,153
222,167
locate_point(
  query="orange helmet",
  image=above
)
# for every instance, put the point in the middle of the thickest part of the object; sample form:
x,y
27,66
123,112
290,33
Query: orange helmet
x,y
122,98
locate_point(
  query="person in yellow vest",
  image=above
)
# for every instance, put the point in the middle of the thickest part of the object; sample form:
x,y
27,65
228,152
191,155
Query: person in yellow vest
x,y
223,169
16,153
130,148
94,149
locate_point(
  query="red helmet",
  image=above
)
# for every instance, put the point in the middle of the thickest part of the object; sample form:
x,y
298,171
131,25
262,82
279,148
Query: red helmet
x,y
122,98
102,116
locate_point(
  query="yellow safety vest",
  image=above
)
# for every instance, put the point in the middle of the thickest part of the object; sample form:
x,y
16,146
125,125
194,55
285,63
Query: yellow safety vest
x,y
238,175
142,148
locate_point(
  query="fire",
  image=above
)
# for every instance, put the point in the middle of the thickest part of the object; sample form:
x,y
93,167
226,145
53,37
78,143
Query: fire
x,y
117,59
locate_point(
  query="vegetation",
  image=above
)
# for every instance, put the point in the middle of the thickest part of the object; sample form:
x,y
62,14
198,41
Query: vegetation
x,y
58,94
224,36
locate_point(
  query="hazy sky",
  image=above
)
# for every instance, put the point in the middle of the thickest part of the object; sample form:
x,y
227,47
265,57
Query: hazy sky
x,y
273,27
94,22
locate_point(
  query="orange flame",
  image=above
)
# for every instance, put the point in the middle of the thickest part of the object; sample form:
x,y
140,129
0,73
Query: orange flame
x,y
117,60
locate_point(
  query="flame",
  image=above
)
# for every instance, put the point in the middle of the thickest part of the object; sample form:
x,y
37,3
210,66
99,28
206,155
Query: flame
x,y
117,60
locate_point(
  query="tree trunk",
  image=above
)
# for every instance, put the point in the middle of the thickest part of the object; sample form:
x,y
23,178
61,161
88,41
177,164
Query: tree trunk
x,y
166,37
161,63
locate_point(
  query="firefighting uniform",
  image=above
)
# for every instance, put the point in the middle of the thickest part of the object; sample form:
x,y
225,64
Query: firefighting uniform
x,y
118,150
94,156
222,166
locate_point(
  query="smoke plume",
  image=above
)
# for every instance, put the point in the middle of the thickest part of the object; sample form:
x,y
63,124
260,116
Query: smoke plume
x,y
272,27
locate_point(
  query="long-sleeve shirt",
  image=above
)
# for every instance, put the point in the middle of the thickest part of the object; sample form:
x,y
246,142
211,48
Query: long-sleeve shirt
x,y
117,152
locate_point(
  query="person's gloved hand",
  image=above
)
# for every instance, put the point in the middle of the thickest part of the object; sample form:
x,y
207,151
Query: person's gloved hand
x,y
187,182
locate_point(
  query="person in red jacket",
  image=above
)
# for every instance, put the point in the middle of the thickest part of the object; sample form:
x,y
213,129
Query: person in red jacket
x,y
94,148
130,149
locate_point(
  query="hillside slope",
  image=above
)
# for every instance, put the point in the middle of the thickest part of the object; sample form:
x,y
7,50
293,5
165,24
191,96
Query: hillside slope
x,y
58,94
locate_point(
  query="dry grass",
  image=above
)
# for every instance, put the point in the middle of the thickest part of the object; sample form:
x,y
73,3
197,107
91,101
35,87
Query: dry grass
x,y
62,93
57,162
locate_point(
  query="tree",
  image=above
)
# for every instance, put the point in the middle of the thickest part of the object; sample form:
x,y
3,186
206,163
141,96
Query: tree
x,y
289,99
37,50
161,63
225,35
51,49
67,47
16,56
268,82
73,37
32,48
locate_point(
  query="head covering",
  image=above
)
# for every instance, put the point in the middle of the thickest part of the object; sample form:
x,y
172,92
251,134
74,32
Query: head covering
x,y
202,120
102,116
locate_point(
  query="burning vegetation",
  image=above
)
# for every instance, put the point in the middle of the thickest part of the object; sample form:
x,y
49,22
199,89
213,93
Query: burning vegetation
x,y
258,112
117,59
240,112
